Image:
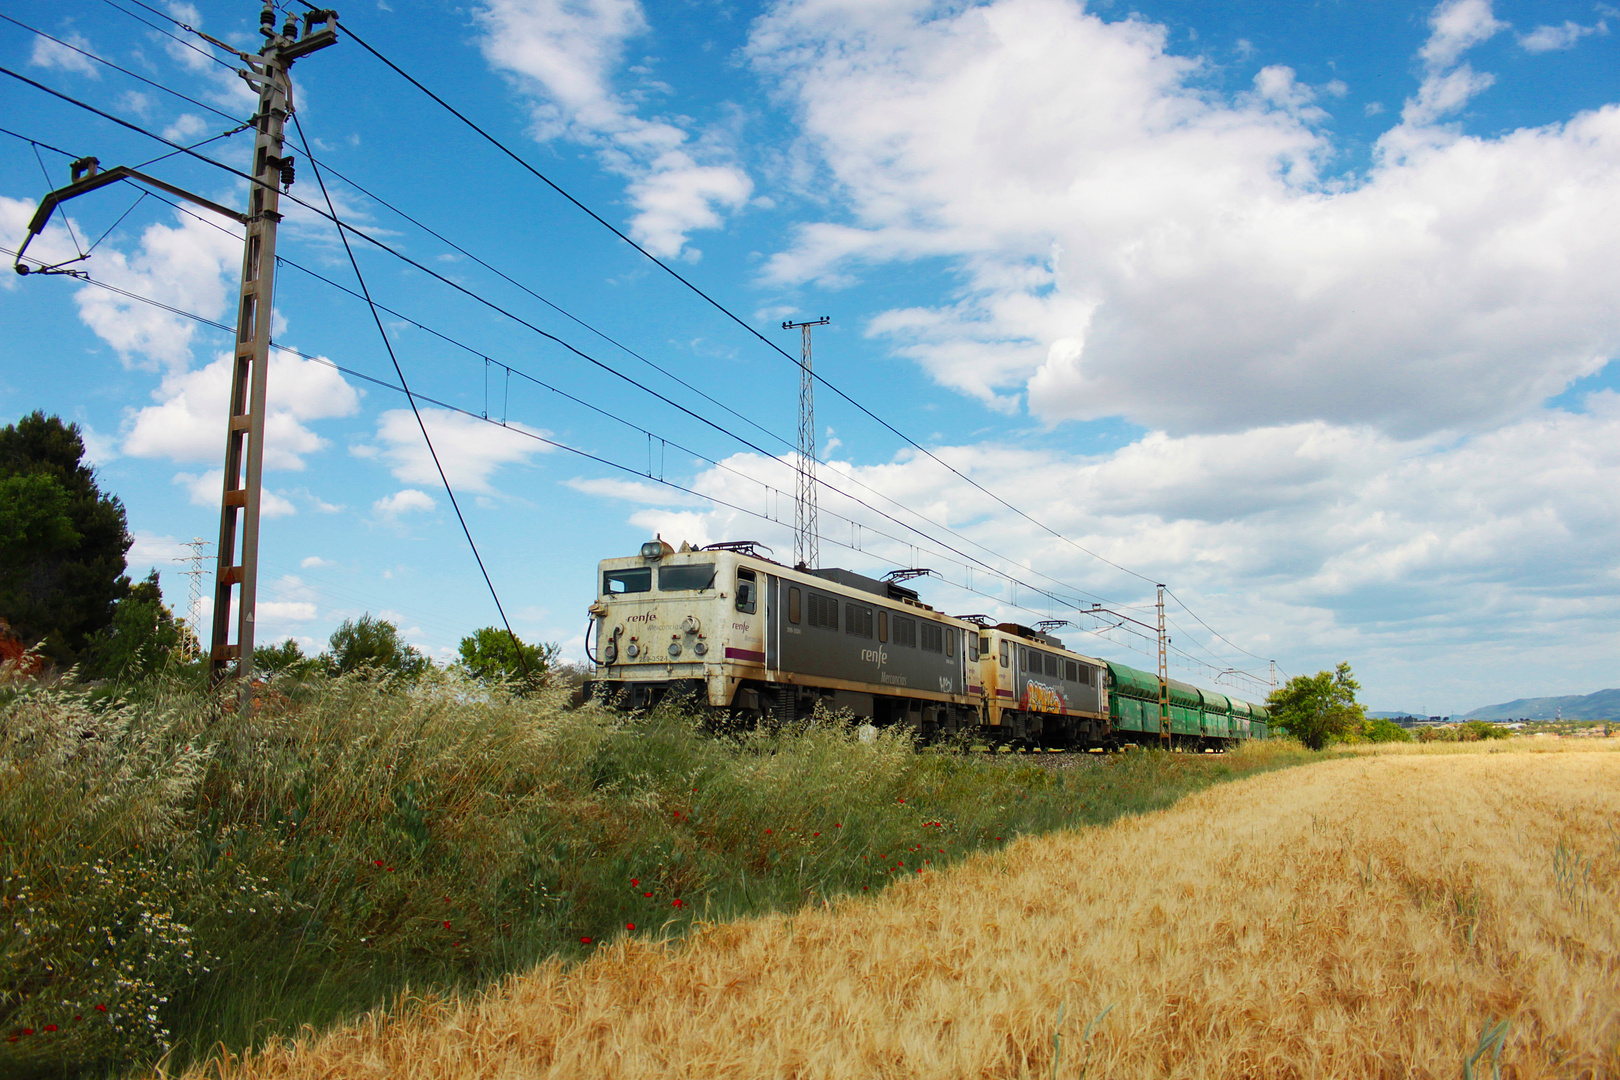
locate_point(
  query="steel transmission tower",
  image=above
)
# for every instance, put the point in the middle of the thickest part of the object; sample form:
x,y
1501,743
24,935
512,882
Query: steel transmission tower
x,y
196,572
244,440
805,529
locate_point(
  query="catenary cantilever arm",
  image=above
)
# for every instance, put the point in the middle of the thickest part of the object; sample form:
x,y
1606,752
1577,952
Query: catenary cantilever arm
x,y
91,181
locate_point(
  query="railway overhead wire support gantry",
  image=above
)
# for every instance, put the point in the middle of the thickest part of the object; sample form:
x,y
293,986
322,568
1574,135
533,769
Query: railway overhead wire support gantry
x,y
272,170
236,576
806,553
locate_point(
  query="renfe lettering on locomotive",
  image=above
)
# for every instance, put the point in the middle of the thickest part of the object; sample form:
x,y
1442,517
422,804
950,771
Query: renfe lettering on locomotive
x,y
748,639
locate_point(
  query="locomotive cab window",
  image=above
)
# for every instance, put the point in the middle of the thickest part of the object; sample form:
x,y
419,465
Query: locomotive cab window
x,y
747,592
1004,651
686,578
971,644
793,604
619,582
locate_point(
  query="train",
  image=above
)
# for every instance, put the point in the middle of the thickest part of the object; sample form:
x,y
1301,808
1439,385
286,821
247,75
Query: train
x,y
752,640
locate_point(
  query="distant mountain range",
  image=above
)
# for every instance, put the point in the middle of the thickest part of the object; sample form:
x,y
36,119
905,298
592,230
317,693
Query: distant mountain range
x,y
1603,705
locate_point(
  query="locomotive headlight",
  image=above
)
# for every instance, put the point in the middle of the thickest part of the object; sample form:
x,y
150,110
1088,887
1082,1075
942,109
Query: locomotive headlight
x,y
701,648
610,652
652,549
674,648
632,650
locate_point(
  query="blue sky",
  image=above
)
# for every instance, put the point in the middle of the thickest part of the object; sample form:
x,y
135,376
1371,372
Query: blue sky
x,y
1306,310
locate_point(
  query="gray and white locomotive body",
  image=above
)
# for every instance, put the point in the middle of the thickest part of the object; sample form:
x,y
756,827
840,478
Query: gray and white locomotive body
x,y
729,629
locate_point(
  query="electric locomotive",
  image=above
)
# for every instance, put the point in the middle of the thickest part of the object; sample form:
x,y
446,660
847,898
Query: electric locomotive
x,y
733,630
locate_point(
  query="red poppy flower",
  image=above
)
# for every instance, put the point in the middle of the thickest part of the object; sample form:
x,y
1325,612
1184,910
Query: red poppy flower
x,y
390,869
902,800
902,862
635,881
50,1027
78,1018
865,887
838,824
101,1008
818,834
767,832
919,869
584,941
647,894
629,926
376,862
455,944
27,1031
447,924
678,903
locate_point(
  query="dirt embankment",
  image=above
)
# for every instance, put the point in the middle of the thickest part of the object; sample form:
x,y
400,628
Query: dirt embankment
x,y
1369,917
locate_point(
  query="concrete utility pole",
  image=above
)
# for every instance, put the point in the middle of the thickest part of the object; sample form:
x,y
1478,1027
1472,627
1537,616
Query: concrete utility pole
x,y
269,73
1164,681
806,551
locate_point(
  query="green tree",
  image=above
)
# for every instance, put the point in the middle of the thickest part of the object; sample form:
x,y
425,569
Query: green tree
x,y
1320,707
493,653
286,658
1474,730
1382,729
62,541
375,645
143,635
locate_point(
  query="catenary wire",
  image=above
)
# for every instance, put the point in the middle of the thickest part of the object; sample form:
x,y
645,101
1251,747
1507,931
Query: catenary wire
x,y
715,304
344,226
1191,662
517,645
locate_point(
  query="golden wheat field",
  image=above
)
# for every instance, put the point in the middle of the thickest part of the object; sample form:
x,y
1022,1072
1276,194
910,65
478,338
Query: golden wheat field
x,y
1372,916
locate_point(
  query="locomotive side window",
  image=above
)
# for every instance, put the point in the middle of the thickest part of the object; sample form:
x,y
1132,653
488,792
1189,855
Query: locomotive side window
x,y
971,644
793,604
686,578
1004,651
883,626
1051,665
747,588
950,642
984,644
823,611
1088,675
1071,671
905,631
857,620
619,582
932,638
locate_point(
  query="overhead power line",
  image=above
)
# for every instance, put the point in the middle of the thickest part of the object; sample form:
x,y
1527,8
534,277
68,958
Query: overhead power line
x,y
343,227
517,645
1067,603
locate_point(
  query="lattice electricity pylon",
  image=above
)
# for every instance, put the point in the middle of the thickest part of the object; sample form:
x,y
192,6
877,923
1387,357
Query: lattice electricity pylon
x,y
806,551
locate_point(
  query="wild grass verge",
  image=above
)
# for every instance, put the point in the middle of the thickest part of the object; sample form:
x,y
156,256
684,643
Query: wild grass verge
x,y
176,879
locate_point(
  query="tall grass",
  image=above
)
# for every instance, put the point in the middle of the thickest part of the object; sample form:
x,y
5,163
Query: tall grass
x,y
1400,915
175,878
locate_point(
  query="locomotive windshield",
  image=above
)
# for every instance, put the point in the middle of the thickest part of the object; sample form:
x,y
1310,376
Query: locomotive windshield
x,y
619,582
685,578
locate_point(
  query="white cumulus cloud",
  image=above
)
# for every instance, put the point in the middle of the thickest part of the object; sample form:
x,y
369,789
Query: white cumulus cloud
x,y
470,450
1130,245
403,502
564,55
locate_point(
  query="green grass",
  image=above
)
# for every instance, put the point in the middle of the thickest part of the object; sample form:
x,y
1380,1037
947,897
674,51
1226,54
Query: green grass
x,y
208,881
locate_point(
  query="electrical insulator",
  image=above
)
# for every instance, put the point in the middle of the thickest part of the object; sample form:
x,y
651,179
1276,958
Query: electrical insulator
x,y
286,172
